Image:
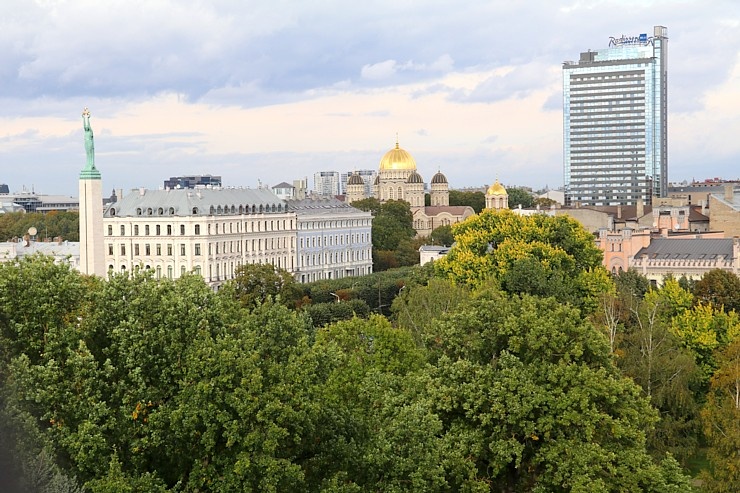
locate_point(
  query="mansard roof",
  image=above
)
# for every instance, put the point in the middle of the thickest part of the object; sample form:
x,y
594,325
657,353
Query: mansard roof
x,y
688,248
309,206
197,202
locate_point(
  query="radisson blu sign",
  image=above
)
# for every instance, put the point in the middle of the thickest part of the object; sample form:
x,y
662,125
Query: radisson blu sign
x,y
642,39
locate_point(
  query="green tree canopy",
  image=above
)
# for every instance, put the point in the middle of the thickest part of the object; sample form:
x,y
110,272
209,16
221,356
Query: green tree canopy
x,y
530,401
720,288
442,235
520,196
255,283
476,200
558,252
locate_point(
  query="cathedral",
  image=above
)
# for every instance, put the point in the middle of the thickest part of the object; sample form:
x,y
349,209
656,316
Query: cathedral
x,y
398,179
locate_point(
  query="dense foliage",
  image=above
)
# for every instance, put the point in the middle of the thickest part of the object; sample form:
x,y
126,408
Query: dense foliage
x,y
515,365
53,224
393,233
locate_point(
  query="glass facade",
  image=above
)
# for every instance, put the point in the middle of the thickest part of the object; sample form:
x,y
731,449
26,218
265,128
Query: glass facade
x,y
614,121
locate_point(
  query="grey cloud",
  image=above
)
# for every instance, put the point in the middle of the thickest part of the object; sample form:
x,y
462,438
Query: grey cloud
x,y
518,83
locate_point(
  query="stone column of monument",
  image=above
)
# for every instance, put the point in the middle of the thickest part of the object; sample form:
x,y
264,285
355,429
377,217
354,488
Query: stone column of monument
x,y
92,256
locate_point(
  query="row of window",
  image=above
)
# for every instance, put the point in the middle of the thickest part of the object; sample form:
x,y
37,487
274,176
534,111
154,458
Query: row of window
x,y
137,250
346,223
348,239
249,226
334,257
147,230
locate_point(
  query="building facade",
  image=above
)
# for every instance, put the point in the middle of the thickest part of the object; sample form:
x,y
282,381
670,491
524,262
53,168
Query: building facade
x,y
367,176
398,179
334,240
209,231
326,183
615,122
193,181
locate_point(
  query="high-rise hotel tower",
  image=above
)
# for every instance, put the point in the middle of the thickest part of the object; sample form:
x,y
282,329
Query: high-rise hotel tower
x,y
615,122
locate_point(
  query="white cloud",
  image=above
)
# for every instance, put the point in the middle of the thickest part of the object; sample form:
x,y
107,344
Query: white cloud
x,y
378,71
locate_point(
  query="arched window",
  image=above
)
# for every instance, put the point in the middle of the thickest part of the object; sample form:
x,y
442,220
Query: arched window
x,y
195,210
149,211
112,211
220,210
138,211
197,229
213,210
172,211
160,211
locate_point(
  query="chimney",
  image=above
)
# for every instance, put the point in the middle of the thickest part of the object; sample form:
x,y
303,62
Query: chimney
x,y
640,208
729,191
619,211
119,193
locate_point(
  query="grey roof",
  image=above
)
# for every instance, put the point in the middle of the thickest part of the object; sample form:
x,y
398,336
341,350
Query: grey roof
x,y
321,206
689,248
283,185
204,201
734,203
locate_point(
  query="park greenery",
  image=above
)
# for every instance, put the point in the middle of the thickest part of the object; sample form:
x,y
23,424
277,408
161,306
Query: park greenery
x,y
515,364
49,225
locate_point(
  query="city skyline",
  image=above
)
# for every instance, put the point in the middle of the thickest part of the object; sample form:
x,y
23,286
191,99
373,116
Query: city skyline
x,y
273,92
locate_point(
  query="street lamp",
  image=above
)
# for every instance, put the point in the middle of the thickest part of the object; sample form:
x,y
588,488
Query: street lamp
x,y
335,295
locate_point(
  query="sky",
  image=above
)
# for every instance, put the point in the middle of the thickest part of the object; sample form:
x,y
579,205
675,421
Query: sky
x,y
262,92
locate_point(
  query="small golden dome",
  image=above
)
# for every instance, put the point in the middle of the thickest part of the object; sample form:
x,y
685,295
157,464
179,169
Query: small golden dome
x,y
397,158
496,189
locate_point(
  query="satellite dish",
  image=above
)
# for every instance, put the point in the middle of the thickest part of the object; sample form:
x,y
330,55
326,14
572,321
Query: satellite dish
x,y
32,231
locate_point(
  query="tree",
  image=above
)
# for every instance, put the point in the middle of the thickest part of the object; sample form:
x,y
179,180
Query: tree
x,y
656,359
721,420
384,434
520,196
544,202
442,235
719,287
418,306
504,246
255,283
530,401
370,204
476,200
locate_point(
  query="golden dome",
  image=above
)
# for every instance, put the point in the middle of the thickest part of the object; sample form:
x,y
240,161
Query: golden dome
x,y
397,158
496,189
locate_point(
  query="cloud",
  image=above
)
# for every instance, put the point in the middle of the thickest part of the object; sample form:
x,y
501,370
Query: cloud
x,y
389,68
517,82
378,71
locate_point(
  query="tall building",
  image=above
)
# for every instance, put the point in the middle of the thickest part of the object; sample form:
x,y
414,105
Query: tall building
x,y
326,183
615,122
192,181
91,209
368,177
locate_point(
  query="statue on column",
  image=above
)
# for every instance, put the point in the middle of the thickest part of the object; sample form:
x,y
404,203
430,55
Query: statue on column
x,y
89,144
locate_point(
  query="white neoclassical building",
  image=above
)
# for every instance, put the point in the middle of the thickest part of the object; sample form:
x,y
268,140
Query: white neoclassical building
x,y
210,231
334,240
